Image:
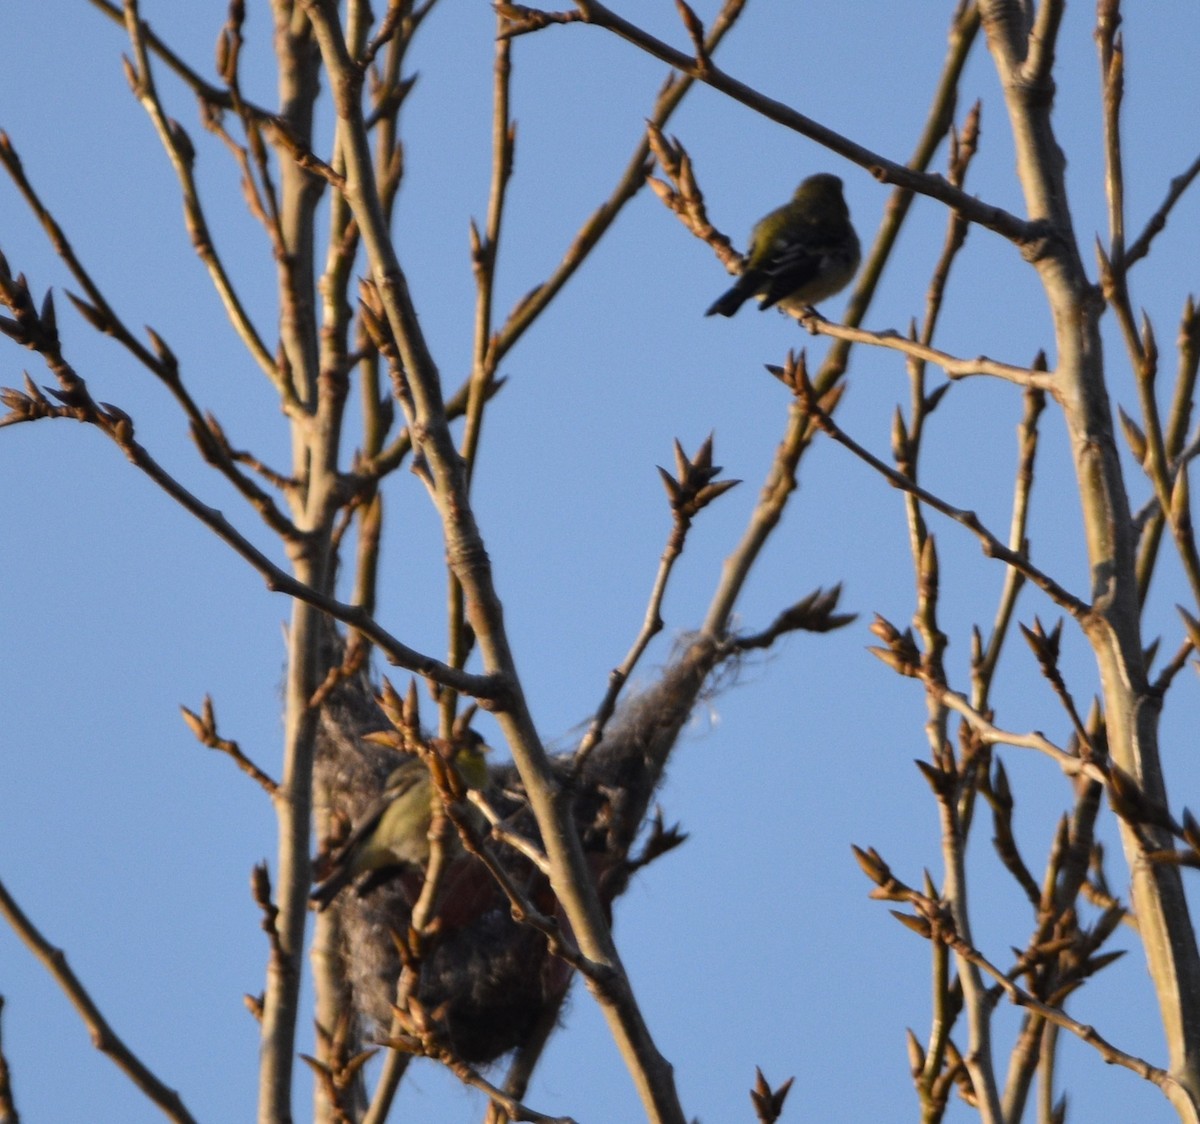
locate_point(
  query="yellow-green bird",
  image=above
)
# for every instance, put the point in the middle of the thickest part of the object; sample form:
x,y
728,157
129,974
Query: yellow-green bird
x,y
395,829
799,254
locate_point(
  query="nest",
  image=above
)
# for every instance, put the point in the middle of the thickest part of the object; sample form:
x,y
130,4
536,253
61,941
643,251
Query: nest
x,y
491,980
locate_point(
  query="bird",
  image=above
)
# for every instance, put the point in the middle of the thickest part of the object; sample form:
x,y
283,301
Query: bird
x,y
799,254
394,830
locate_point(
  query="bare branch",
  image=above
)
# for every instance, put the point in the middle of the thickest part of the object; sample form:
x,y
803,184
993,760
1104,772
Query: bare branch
x,y
781,479
469,561
1028,236
955,368
8,1104
182,156
204,728
631,181
991,545
1157,222
104,1038
693,490
117,425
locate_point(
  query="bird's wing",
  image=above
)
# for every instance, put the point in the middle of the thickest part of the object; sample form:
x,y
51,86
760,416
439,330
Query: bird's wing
x,y
789,265
400,782
362,830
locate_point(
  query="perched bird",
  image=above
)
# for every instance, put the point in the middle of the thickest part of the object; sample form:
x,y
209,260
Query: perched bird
x,y
799,254
395,829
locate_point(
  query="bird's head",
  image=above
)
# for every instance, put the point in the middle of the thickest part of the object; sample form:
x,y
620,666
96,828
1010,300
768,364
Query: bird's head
x,y
465,751
821,192
470,760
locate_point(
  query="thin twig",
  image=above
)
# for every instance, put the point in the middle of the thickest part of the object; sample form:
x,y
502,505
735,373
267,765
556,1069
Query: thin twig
x,y
652,624
1157,222
1071,764
1027,443
8,1103
781,479
225,99
991,545
104,1038
117,425
1056,1015
954,367
161,362
204,728
1021,232
631,181
182,156
485,247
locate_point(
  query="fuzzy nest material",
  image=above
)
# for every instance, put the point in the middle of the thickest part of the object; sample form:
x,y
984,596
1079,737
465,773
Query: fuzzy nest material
x,y
492,980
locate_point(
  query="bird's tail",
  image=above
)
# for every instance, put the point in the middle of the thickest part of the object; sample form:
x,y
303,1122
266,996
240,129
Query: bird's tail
x,y
324,892
729,302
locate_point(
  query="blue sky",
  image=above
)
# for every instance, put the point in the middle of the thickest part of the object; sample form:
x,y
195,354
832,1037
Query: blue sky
x,y
754,944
